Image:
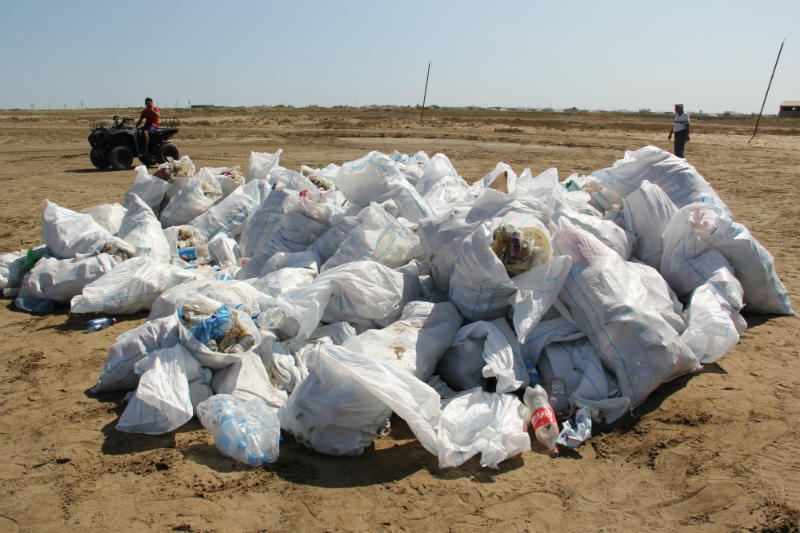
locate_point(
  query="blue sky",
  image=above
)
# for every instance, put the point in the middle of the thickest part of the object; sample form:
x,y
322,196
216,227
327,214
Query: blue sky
x,y
714,55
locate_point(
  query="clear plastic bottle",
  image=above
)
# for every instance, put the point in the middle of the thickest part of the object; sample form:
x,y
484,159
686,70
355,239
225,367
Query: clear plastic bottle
x,y
559,399
543,418
100,323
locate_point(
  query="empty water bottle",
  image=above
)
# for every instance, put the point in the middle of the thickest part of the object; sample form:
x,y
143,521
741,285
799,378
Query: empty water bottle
x,y
543,418
100,323
559,399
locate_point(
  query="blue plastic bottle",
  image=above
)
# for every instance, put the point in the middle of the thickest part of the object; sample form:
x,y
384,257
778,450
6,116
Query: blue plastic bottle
x,y
100,323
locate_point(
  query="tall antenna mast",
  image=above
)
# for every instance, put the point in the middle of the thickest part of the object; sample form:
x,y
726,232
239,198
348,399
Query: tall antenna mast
x,y
425,95
765,94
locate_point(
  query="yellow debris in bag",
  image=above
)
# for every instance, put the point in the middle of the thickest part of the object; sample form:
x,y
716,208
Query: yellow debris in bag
x,y
520,249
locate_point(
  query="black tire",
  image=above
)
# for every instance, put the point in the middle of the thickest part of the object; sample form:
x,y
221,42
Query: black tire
x,y
120,158
98,158
167,150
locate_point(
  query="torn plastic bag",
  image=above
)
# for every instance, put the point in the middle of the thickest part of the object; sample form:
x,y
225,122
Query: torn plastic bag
x,y
213,293
246,430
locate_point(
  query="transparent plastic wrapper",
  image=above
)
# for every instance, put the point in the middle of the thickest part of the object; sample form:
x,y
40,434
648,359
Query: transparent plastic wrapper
x,y
577,430
131,286
246,430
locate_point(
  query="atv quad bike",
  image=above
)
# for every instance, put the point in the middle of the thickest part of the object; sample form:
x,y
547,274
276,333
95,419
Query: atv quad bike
x,y
116,146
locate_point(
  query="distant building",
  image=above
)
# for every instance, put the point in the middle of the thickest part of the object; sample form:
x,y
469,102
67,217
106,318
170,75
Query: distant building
x,y
789,109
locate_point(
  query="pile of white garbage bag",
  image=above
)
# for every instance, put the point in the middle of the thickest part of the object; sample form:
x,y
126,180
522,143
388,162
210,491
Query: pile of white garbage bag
x,y
318,302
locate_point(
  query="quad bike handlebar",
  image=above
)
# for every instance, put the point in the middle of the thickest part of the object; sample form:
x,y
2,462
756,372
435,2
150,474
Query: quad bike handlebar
x,y
121,121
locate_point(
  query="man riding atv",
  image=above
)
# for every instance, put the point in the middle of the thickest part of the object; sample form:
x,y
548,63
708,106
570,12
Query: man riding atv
x,y
151,115
116,146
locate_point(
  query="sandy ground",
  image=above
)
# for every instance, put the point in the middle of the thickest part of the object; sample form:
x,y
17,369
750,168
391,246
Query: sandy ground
x,y
715,451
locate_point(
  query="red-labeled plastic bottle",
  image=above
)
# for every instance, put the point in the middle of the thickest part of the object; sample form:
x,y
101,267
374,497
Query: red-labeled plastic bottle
x,y
543,418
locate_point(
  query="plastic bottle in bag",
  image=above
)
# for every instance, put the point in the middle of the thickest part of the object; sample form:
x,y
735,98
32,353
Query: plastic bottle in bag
x,y
559,399
96,324
543,418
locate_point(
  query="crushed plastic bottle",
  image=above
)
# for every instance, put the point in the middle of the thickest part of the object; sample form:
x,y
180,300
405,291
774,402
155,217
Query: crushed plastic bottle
x,y
543,418
96,324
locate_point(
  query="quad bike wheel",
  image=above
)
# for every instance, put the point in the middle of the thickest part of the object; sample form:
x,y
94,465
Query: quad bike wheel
x,y
168,150
120,158
98,158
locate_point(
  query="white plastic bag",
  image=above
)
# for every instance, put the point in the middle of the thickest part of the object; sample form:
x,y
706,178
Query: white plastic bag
x,y
161,402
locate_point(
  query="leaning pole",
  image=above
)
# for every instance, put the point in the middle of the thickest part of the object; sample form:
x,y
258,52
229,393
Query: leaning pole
x,y
766,93
425,94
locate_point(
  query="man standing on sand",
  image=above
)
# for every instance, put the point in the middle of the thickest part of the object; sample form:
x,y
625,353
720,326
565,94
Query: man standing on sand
x,y
151,115
680,128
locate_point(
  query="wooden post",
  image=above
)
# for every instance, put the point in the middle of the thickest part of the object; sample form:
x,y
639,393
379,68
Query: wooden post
x,y
765,94
425,95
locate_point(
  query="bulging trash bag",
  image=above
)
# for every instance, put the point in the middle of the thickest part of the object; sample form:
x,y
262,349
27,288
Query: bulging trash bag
x,y
246,430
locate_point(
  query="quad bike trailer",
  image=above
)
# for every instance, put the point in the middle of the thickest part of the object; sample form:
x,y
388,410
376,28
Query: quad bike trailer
x,y
117,145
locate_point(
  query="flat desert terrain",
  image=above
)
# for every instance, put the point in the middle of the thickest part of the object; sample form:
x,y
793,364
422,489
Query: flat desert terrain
x,y
718,450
